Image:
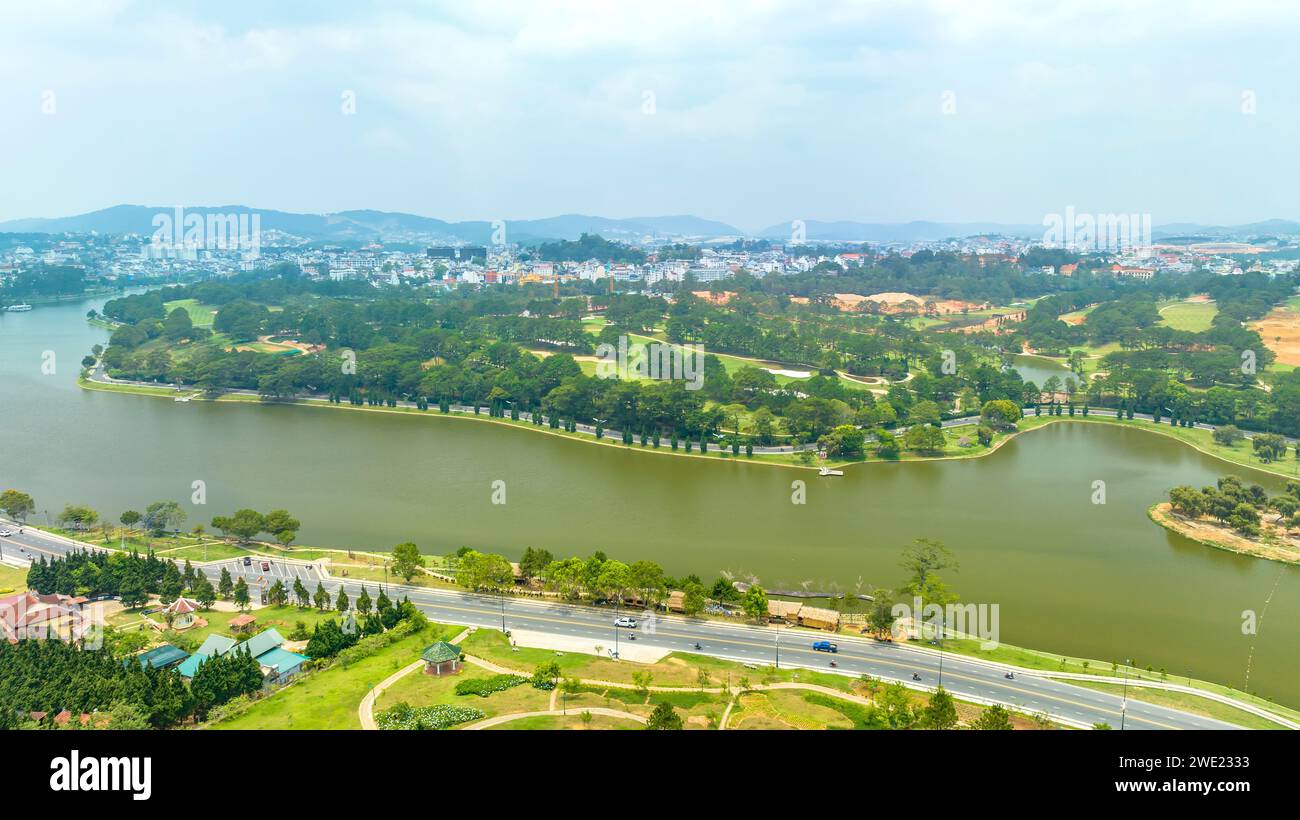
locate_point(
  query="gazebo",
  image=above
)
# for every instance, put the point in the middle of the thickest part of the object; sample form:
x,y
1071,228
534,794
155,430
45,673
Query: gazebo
x,y
441,659
182,611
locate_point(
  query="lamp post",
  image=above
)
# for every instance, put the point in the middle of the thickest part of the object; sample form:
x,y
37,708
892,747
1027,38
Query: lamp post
x,y
1123,706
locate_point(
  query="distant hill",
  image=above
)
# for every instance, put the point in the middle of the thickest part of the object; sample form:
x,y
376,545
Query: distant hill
x,y
364,225
371,225
898,232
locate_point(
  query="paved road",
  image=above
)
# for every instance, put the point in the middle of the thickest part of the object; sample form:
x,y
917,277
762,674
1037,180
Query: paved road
x,y
761,646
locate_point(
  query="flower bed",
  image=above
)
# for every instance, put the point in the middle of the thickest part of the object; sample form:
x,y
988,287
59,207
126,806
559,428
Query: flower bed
x,y
442,716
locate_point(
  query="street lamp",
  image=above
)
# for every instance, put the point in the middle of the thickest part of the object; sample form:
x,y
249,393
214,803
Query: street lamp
x,y
1123,706
503,612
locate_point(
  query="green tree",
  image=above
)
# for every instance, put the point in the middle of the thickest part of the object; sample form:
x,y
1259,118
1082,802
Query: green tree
x,y
664,718
244,524
923,561
940,712
161,516
17,505
300,593
322,598
485,570
225,584
241,594
995,718
407,560
278,594
204,592
754,603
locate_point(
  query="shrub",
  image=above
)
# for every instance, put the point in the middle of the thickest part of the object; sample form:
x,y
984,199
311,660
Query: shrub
x,y
488,686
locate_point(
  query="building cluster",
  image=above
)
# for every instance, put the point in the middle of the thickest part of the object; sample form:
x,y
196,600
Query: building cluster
x,y
128,258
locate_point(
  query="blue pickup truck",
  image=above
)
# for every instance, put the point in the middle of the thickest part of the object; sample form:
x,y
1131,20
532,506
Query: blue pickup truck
x,y
825,646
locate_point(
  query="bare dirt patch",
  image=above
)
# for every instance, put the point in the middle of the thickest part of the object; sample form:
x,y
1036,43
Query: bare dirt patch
x,y
1280,330
1275,543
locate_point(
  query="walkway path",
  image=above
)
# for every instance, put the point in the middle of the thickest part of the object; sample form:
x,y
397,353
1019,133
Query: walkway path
x,y
365,712
595,710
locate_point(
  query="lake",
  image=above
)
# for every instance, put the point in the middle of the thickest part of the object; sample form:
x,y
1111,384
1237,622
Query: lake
x,y
1096,580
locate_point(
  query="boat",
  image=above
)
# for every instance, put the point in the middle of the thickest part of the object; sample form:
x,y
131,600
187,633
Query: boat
x,y
18,308
829,471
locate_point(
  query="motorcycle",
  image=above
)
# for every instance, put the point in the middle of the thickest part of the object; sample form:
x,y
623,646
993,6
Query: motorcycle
x,y
834,664
915,676
697,646
1009,676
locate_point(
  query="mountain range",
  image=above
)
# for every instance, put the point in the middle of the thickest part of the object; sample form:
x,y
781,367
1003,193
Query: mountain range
x,y
370,225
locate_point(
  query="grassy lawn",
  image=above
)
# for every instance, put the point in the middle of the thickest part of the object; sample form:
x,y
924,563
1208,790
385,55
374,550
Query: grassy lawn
x,y
12,579
329,699
785,709
1187,703
677,669
1191,316
211,551
418,689
200,315
572,721
282,618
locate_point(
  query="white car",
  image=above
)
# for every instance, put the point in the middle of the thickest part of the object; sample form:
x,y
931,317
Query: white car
x,y
6,533
626,622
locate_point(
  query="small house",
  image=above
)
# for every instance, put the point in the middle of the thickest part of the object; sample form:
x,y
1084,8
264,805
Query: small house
x,y
817,618
787,611
182,612
162,657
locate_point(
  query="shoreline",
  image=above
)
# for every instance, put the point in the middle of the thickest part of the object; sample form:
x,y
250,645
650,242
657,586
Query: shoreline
x,y
1030,423
1162,514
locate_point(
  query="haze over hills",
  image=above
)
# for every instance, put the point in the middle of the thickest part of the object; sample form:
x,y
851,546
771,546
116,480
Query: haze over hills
x,y
368,225
371,225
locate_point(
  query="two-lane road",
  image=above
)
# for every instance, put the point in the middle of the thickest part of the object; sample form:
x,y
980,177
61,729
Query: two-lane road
x,y
760,646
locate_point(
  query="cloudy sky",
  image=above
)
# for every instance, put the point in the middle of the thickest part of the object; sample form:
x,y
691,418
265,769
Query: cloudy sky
x,y
752,112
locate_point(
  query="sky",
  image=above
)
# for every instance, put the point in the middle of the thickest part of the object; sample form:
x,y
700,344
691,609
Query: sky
x,y
753,113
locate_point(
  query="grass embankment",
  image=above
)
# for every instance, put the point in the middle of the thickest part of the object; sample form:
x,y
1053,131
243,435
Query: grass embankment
x,y
1050,662
1187,703
687,674
1213,534
328,699
12,580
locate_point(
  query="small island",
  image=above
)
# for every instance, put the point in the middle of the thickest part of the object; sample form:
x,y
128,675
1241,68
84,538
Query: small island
x,y
1237,517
